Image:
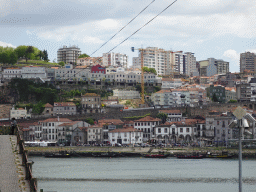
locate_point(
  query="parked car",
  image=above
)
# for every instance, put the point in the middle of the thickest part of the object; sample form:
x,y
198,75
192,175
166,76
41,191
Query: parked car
x,y
118,145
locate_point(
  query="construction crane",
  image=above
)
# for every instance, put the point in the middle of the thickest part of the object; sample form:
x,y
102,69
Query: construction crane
x,y
142,73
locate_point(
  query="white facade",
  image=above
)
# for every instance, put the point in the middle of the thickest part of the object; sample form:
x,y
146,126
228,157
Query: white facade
x,y
115,59
31,72
11,73
19,113
146,125
126,94
125,136
169,83
50,128
94,134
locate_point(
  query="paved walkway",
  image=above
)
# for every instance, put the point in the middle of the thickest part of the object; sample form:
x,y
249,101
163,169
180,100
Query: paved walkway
x,y
11,171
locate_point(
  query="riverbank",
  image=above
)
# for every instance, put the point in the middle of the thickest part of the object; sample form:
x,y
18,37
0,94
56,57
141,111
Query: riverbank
x,y
135,151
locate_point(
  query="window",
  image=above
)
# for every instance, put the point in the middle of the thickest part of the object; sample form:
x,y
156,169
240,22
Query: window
x,y
125,134
218,131
49,130
187,130
181,130
165,130
49,136
135,124
218,122
159,130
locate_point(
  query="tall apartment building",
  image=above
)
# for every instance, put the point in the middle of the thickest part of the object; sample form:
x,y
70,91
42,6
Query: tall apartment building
x,y
68,54
115,59
213,66
222,66
167,62
247,61
190,68
136,62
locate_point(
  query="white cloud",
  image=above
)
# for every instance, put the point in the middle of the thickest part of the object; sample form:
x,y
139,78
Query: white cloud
x,y
233,55
3,44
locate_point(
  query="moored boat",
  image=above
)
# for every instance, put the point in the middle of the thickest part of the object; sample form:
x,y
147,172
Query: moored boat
x,y
107,154
61,154
223,155
156,155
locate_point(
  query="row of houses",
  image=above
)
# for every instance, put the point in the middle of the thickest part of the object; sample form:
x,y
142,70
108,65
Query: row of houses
x,y
211,130
79,73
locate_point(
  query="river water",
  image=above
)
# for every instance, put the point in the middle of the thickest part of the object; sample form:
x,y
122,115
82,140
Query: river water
x,y
142,175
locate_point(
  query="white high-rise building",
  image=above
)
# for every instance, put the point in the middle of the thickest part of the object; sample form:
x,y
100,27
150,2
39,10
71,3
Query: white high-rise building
x,y
167,62
115,59
68,55
191,69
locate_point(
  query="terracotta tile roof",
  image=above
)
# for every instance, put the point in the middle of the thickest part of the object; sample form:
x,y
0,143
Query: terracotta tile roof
x,y
63,104
67,124
91,95
48,105
170,111
147,119
83,128
110,121
129,129
56,120
187,122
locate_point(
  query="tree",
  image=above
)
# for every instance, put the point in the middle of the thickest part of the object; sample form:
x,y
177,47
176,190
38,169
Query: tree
x,y
83,55
90,121
162,116
38,108
62,63
45,57
40,55
214,98
149,70
13,58
21,51
29,51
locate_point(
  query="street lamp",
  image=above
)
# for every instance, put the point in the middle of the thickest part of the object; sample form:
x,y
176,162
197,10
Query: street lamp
x,y
241,123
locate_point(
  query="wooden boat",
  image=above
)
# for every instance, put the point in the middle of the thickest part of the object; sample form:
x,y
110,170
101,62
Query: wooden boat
x,y
107,154
156,156
61,154
223,155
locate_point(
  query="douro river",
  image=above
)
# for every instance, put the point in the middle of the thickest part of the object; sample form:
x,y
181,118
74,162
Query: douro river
x,y
142,175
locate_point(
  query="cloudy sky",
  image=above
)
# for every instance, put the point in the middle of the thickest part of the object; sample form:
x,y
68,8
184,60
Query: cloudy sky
x,y
212,28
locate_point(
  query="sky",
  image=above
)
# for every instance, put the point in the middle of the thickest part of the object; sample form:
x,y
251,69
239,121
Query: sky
x,y
212,28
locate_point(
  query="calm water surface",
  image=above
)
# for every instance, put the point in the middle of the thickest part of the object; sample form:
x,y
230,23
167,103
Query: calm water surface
x,y
142,175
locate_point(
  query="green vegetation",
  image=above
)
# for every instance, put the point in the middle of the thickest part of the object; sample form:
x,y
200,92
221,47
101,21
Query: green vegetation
x,y
83,55
90,121
29,91
214,98
162,116
137,117
128,102
157,88
61,63
10,55
232,101
149,70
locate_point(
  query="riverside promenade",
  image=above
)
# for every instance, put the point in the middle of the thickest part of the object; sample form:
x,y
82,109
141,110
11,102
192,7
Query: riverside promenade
x,y
11,171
